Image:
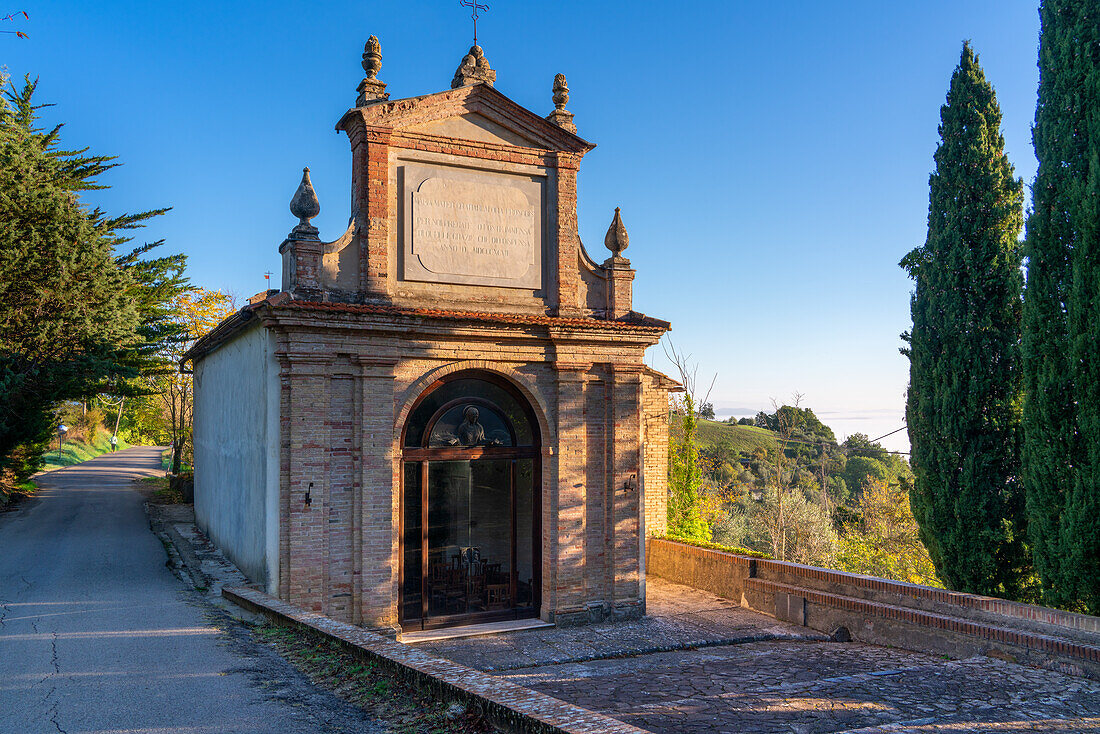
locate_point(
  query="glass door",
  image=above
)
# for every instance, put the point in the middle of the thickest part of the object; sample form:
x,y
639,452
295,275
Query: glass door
x,y
470,537
469,520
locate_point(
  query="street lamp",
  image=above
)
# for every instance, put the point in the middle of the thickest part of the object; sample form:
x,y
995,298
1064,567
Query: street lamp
x,y
61,431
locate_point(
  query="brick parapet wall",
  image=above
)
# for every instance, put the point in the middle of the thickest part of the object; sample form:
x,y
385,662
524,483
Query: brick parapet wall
x,y
884,611
924,597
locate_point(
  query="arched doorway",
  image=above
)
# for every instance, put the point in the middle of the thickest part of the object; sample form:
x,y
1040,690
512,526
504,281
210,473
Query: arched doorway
x,y
470,504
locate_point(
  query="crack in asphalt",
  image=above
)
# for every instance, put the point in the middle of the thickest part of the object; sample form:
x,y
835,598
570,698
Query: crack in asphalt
x,y
56,662
53,657
53,720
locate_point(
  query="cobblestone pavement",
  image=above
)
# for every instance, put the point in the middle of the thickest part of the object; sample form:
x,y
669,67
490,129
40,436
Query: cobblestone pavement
x,y
821,687
773,677
678,618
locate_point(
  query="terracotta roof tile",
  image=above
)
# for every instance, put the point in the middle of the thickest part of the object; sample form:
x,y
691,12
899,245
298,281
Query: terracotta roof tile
x,y
282,301
634,321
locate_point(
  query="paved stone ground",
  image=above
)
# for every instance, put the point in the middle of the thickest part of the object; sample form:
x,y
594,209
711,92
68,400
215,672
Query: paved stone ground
x,y
773,678
679,618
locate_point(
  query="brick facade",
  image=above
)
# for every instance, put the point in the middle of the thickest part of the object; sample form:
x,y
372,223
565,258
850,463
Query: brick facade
x,y
353,361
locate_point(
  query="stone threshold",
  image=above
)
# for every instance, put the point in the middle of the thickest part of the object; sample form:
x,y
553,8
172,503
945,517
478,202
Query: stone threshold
x,y
510,706
472,630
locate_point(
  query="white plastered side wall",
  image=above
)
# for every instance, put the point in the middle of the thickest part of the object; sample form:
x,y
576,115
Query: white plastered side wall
x,y
237,453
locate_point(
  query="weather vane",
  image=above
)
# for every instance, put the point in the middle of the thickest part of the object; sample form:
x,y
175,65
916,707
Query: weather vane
x,y
474,6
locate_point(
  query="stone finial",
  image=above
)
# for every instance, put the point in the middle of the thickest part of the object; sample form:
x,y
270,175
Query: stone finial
x,y
372,57
561,91
473,69
616,238
304,205
560,116
370,89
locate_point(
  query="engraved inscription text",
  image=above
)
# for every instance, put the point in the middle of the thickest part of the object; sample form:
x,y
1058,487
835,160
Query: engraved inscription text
x,y
473,228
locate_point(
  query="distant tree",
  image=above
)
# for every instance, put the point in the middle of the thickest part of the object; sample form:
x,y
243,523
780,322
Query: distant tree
x,y
785,525
196,312
761,420
964,390
860,470
746,422
859,445
1061,312
706,411
71,316
884,539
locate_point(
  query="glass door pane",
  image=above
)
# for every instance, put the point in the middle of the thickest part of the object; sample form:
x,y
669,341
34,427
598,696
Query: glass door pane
x,y
412,571
469,537
525,527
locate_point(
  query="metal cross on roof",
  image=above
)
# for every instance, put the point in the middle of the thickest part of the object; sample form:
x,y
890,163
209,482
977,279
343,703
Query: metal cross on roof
x,y
474,6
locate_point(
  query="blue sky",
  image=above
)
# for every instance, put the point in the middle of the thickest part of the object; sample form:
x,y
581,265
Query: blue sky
x,y
771,159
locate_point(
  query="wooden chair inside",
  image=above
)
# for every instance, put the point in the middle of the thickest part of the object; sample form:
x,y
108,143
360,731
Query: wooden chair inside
x,y
498,596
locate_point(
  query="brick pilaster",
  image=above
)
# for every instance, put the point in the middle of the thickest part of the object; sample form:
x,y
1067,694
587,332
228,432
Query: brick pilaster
x,y
626,404
370,178
620,280
568,265
308,460
381,495
302,252
598,577
569,541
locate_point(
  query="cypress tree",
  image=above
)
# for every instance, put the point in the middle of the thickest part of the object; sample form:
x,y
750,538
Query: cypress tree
x,y
1061,341
963,406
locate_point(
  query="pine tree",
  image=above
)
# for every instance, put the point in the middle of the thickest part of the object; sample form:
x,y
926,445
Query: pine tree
x,y
963,407
74,318
1061,339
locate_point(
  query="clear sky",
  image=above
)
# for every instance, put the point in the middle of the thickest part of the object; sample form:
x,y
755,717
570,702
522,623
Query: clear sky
x,y
771,159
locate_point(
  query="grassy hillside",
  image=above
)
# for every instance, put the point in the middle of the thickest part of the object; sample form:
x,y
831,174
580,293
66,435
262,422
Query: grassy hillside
x,y
742,438
79,450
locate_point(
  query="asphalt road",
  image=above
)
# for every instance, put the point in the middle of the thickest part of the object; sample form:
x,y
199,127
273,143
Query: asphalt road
x,y
97,635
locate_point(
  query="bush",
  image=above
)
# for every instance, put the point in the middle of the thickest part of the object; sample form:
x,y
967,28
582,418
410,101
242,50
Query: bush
x,y
89,422
881,538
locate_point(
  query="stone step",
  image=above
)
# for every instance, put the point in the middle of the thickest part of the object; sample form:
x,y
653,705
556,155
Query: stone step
x,y
882,623
1080,628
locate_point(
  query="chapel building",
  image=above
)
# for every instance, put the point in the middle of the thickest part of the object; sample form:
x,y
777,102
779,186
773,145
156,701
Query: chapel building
x,y
443,416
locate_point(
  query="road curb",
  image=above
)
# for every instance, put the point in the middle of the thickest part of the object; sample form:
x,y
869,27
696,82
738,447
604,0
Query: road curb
x,y
506,704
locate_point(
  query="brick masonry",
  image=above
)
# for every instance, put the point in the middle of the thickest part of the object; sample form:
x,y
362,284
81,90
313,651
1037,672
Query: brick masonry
x,y
357,346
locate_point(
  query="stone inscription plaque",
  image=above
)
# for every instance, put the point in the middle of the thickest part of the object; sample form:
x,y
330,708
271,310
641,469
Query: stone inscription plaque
x,y
476,229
